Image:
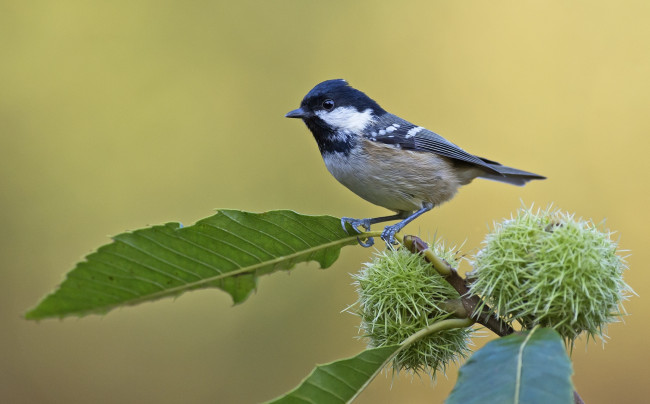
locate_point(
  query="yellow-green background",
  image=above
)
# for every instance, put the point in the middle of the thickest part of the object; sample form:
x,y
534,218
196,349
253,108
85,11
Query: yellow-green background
x,y
117,115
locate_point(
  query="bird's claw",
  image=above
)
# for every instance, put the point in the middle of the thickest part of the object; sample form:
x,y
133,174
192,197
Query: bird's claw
x,y
356,223
370,241
388,235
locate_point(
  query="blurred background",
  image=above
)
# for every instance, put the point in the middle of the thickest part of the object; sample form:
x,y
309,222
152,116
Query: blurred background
x,y
118,115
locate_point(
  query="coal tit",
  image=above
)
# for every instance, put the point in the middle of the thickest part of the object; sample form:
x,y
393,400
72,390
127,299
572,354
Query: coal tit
x,y
389,161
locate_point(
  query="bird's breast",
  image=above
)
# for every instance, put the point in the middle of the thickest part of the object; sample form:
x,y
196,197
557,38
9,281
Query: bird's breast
x,y
396,179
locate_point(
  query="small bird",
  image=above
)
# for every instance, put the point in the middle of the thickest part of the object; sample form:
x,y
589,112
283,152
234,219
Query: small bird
x,y
389,161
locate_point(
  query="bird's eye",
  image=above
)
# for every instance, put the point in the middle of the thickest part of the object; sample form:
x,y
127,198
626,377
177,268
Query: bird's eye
x,y
328,104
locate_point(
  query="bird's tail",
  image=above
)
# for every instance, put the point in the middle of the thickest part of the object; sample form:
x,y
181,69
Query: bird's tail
x,y
509,175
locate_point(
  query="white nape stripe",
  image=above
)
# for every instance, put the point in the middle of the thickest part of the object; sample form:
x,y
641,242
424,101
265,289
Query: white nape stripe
x,y
347,118
412,132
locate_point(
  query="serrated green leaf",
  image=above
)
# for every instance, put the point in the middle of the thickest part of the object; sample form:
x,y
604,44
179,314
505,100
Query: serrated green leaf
x,y
228,250
528,368
340,381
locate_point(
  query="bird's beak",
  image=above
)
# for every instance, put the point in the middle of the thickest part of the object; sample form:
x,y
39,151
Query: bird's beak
x,y
296,113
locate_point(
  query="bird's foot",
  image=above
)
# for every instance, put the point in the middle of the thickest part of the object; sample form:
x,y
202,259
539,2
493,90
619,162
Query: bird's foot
x,y
388,235
356,223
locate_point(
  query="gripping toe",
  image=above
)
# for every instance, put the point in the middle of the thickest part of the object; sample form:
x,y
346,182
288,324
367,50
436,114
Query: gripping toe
x,y
368,243
388,235
355,223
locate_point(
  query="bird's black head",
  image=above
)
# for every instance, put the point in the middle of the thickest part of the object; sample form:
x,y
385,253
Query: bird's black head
x,y
335,112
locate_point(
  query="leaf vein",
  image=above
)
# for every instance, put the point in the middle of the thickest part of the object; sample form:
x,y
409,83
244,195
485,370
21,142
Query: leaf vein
x,y
310,229
149,267
177,253
520,357
234,246
239,237
337,377
260,231
323,389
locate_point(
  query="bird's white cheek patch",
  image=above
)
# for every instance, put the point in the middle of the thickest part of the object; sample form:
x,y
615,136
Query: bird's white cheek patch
x,y
347,118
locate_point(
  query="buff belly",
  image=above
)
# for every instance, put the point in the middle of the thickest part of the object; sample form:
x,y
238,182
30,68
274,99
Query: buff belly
x,y
397,179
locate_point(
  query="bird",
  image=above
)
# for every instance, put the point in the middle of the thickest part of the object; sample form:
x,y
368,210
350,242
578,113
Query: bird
x,y
387,160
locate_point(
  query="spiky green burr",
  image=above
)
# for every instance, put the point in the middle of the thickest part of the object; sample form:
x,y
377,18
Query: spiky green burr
x,y
400,294
546,267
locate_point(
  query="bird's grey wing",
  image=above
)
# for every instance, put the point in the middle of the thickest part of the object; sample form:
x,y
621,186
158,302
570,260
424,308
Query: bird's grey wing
x,y
397,131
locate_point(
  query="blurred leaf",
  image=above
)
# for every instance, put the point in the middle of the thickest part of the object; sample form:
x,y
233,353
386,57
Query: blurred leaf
x,y
228,250
342,380
529,368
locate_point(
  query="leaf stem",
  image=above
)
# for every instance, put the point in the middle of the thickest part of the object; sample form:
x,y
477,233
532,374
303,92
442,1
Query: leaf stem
x,y
436,327
433,328
470,301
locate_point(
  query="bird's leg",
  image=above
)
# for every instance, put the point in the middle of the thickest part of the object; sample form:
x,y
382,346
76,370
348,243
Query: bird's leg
x,y
388,235
366,223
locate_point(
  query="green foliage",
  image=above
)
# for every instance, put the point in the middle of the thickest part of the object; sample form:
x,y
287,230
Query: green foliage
x,y
530,367
542,269
228,251
546,268
399,294
340,381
